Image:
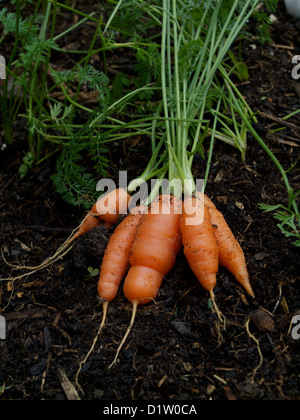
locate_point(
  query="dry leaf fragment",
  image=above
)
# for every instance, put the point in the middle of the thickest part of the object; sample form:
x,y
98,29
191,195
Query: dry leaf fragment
x,y
240,205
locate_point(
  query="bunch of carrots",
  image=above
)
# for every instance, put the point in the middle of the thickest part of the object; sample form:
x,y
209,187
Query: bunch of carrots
x,y
148,241
145,245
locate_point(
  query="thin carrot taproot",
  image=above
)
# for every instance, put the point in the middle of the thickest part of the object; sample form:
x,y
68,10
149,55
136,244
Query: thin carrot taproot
x,y
154,251
231,254
200,245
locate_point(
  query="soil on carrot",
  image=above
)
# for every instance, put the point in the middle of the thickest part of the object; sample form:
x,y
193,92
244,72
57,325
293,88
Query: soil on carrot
x,y
177,349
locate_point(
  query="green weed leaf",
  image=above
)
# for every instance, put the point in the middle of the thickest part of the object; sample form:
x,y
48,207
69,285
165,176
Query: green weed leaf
x,y
94,272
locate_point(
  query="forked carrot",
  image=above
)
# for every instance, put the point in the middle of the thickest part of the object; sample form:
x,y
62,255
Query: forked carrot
x,y
153,255
200,245
231,254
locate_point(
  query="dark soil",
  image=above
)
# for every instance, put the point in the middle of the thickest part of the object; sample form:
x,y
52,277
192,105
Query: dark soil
x,y
176,349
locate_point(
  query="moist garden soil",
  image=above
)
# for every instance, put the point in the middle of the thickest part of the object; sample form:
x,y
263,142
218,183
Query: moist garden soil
x,y
177,349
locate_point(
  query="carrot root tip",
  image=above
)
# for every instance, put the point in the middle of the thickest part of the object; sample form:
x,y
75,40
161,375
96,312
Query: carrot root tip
x,y
83,362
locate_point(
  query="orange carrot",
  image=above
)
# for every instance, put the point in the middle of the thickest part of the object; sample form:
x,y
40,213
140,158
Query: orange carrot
x,y
153,255
200,245
142,284
155,249
107,209
116,259
112,205
231,254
